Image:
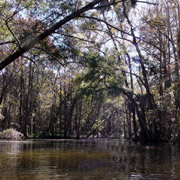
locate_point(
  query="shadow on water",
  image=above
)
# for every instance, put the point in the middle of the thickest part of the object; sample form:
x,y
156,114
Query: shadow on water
x,y
87,160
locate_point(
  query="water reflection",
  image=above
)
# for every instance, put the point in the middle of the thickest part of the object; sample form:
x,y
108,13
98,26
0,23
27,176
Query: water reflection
x,y
87,160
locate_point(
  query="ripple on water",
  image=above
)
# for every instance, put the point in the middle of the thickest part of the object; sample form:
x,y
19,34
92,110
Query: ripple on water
x,y
87,160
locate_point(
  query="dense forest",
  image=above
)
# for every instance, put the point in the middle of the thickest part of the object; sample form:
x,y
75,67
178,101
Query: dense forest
x,y
84,68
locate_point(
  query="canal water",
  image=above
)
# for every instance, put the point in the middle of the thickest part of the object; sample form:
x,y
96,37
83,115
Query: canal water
x,y
91,159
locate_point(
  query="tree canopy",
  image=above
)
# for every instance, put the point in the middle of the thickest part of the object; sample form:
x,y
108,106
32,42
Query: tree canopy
x,y
107,68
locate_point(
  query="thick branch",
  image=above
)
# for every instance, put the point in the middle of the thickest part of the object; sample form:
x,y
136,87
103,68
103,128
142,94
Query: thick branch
x,y
46,33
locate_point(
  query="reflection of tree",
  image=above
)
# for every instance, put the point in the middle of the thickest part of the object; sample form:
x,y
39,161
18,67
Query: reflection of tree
x,y
81,159
13,147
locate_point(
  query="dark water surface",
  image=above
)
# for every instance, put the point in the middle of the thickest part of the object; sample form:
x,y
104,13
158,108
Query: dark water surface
x,y
88,160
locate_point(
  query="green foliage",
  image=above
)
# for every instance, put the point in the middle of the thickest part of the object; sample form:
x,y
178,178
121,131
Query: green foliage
x,y
98,125
70,81
102,73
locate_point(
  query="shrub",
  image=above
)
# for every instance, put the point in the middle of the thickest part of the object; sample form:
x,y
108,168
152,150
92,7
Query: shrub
x,y
11,134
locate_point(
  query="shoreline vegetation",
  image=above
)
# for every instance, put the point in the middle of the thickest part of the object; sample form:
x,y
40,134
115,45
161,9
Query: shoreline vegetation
x,y
11,134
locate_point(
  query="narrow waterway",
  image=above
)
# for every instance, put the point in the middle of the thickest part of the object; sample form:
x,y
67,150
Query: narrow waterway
x,y
88,160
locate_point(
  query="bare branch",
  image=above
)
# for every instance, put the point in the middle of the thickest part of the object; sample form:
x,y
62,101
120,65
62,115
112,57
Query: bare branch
x,y
145,2
105,22
51,55
30,59
81,39
7,42
17,40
